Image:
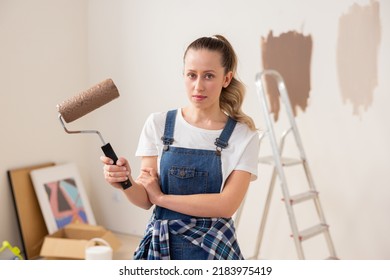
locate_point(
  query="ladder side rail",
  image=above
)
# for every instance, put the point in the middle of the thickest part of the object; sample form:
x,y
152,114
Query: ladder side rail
x,y
267,204
264,217
321,214
278,164
286,100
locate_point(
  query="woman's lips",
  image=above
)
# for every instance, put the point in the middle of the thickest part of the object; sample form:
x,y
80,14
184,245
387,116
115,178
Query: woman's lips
x,y
199,97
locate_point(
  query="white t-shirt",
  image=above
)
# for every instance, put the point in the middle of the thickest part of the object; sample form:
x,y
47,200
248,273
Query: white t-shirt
x,y
241,153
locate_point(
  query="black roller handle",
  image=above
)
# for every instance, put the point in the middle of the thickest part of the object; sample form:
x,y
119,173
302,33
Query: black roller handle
x,y
109,152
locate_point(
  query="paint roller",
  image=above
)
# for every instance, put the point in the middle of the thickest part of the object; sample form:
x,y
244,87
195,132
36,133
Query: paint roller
x,y
84,103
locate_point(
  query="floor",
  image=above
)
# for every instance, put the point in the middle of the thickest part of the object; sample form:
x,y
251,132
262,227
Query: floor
x,y
129,244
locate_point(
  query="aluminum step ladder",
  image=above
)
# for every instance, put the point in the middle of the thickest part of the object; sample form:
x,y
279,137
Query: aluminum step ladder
x,y
279,163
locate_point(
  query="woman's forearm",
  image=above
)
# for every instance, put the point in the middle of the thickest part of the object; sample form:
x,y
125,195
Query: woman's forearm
x,y
137,195
198,205
223,204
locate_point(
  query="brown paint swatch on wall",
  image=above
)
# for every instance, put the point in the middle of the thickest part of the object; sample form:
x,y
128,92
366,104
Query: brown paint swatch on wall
x,y
290,55
357,53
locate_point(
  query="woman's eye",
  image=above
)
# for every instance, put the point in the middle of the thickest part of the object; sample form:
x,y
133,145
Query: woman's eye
x,y
191,75
209,76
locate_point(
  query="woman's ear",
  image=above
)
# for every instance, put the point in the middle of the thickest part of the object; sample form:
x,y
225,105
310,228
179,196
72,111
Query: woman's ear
x,y
228,79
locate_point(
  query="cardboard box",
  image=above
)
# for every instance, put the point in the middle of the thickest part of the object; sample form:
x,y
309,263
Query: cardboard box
x,y
70,242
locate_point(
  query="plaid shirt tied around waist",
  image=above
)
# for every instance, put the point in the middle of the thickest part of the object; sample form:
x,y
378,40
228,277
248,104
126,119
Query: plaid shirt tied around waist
x,y
215,235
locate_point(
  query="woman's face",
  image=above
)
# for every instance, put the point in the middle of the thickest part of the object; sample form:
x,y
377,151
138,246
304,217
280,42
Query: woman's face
x,y
204,78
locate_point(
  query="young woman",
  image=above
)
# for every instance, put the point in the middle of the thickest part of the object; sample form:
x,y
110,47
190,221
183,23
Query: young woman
x,y
197,162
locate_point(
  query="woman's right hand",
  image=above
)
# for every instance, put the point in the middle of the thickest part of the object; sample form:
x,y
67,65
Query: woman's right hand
x,y
115,173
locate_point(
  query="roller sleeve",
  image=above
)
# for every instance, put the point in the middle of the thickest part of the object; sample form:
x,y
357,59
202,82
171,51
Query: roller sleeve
x,y
87,101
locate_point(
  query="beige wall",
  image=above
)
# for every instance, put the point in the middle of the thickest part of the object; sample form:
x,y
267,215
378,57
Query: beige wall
x,y
43,60
140,45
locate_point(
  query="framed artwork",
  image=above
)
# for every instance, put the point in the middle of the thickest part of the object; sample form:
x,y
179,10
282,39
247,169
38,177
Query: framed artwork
x,y
61,196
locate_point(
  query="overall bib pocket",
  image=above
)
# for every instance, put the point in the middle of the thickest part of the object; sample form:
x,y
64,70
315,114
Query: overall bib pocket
x,y
187,180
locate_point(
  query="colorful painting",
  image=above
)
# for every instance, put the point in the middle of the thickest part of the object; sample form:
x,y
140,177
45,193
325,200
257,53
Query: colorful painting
x,y
61,196
65,202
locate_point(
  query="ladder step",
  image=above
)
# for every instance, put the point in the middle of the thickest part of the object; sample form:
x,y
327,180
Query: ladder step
x,y
302,197
332,258
313,231
285,161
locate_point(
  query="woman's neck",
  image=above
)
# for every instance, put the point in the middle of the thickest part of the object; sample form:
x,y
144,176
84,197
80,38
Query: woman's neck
x,y
206,119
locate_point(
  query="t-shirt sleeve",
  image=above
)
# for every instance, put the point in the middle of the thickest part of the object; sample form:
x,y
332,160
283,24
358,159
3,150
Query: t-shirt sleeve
x,y
147,140
249,158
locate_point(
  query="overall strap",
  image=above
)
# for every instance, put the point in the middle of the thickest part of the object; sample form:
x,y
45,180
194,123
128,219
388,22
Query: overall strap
x,y
222,141
169,129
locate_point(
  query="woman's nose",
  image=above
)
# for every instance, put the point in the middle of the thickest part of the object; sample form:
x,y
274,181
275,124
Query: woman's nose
x,y
199,84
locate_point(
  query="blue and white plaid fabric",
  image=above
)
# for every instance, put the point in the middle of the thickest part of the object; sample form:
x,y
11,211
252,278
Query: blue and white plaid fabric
x,y
215,235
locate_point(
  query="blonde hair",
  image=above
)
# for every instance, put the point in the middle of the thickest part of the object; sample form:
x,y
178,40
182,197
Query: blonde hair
x,y
232,96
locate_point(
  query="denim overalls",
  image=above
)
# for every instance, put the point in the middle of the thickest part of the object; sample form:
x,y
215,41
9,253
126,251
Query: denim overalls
x,y
186,171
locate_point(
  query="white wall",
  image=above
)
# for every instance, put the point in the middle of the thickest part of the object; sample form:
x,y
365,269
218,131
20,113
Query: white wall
x,y
140,45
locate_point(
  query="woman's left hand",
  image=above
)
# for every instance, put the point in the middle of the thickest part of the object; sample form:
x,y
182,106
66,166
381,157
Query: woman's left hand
x,y
149,179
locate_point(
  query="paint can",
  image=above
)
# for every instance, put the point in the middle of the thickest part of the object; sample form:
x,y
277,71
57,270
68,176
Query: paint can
x,y
98,249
